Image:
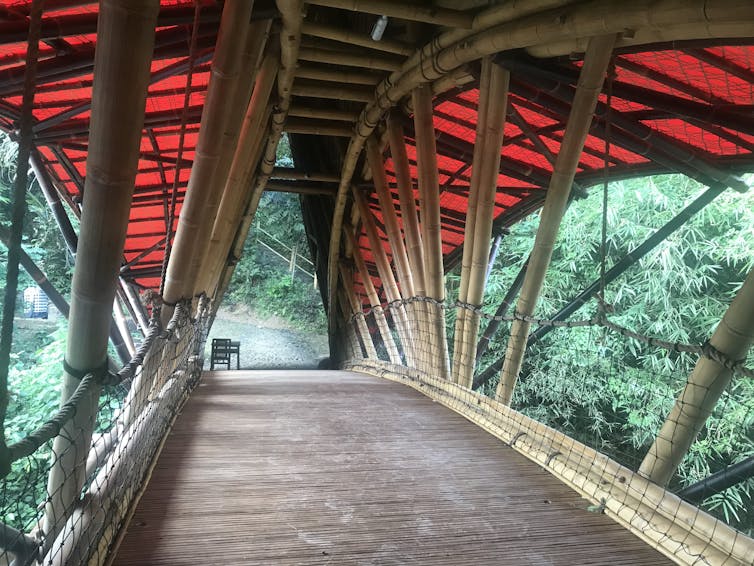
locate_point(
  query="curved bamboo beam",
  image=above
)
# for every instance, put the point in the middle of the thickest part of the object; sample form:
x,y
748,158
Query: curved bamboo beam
x,y
511,26
126,32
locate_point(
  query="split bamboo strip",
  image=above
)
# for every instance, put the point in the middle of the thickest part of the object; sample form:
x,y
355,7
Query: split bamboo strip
x,y
256,38
193,222
431,225
386,275
596,61
241,170
353,38
404,11
126,30
491,139
374,300
347,59
357,314
513,25
732,338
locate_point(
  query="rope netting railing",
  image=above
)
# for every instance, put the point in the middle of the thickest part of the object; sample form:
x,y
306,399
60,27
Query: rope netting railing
x,y
590,401
136,408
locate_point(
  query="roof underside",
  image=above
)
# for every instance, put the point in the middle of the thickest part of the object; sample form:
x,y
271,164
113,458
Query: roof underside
x,y
685,107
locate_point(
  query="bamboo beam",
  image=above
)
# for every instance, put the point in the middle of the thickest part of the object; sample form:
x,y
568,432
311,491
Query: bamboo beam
x,y
431,226
386,275
122,63
299,175
732,338
362,330
342,76
53,202
194,224
353,38
300,188
122,325
318,128
323,113
486,166
374,300
136,306
596,61
330,92
348,59
237,191
397,9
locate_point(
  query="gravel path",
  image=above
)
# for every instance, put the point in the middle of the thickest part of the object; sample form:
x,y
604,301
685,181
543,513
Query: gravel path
x,y
268,343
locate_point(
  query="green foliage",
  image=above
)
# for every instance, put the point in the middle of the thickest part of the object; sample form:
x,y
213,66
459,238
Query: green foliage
x,y
609,391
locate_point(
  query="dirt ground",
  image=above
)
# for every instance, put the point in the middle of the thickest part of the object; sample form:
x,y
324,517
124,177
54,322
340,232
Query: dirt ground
x,y
267,342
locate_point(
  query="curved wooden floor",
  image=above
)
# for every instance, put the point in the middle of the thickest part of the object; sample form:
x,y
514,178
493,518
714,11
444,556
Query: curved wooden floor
x,y
315,467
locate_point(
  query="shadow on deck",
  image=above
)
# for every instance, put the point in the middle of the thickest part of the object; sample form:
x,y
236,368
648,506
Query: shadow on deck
x,y
315,467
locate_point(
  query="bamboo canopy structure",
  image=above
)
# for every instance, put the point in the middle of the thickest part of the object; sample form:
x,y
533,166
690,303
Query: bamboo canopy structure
x,y
419,132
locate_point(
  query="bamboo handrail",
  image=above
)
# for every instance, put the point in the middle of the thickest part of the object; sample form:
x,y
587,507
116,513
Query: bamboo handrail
x,y
733,337
123,57
194,225
486,166
596,61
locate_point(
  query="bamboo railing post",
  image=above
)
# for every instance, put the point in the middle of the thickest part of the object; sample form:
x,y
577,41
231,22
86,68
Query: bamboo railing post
x,y
431,225
362,330
125,30
386,275
485,170
732,338
596,61
194,222
374,300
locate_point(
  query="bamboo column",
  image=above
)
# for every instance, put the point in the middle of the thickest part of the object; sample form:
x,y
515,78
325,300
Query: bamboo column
x,y
374,300
493,100
194,222
386,274
237,191
733,337
395,239
358,314
123,56
352,340
431,225
596,61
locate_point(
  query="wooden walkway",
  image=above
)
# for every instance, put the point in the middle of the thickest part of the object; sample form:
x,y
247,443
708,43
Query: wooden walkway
x,y
315,467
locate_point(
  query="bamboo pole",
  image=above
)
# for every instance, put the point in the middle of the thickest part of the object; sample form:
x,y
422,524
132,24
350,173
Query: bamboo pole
x,y
352,38
194,223
122,326
126,31
374,300
237,191
326,91
732,338
405,11
314,128
338,76
53,202
256,38
358,314
386,275
429,202
486,168
353,344
136,305
324,113
596,61
371,62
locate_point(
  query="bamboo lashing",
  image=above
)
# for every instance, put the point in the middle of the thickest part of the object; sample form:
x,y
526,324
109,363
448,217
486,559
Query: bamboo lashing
x,y
121,76
732,338
596,61
486,168
431,226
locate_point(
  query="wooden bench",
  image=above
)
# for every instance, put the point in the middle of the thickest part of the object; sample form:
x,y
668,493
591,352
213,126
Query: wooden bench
x,y
223,349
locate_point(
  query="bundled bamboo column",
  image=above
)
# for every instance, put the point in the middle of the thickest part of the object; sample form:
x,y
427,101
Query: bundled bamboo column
x,y
733,337
374,300
429,202
237,191
255,42
358,314
493,101
386,275
590,83
125,32
195,223
393,231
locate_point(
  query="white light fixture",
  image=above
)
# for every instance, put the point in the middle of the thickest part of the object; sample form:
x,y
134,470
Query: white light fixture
x,y
379,28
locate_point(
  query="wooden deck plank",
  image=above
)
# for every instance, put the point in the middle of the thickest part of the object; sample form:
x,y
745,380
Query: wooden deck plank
x,y
314,467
